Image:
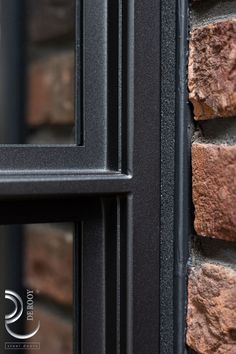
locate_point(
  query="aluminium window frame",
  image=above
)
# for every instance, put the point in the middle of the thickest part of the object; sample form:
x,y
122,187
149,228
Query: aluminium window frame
x,y
177,127
132,162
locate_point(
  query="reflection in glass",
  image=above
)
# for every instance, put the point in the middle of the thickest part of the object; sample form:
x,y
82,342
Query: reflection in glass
x,y
39,279
37,68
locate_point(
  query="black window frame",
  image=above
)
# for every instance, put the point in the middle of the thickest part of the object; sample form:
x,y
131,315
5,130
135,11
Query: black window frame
x,y
125,177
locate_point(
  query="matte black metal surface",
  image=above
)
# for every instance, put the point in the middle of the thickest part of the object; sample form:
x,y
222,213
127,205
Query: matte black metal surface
x,y
176,206
143,217
183,197
125,184
168,121
11,71
63,184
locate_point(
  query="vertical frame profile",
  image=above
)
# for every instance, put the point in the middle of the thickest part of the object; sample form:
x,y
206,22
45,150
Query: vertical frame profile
x,y
183,200
176,205
12,70
125,182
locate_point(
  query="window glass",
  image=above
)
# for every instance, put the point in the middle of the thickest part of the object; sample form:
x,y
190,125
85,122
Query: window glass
x,y
37,280
38,67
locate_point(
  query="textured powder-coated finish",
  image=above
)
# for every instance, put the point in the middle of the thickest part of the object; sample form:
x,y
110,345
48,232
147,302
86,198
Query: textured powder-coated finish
x,y
212,73
168,34
211,309
175,176
214,190
124,315
143,243
116,257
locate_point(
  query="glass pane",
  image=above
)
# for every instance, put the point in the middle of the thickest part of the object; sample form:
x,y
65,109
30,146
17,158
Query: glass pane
x,y
37,69
37,260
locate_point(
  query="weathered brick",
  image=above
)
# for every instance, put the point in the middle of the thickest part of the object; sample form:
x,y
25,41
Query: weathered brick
x,y
51,90
212,70
55,334
211,320
49,262
214,190
48,19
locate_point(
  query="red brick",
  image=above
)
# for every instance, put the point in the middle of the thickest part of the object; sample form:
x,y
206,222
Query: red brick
x,y
211,320
212,70
49,262
214,190
49,19
51,90
55,334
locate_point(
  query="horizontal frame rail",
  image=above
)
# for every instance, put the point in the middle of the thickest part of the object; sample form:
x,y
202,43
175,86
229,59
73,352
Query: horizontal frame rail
x,y
60,183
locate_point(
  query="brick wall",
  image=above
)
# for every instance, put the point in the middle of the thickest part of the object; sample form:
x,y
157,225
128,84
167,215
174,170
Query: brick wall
x,y
211,310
